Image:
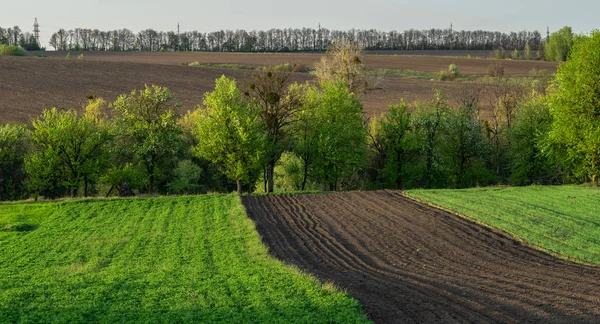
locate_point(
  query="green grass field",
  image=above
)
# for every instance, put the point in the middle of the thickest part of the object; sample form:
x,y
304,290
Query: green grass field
x,y
160,260
564,220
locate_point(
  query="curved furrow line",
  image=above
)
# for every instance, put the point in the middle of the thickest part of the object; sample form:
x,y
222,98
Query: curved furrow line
x,y
417,278
465,273
375,270
493,276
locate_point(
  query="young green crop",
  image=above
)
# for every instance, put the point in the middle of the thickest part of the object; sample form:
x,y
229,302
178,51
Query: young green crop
x,y
561,219
185,259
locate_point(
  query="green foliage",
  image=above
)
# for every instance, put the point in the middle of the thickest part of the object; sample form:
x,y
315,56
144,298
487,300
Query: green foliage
x,y
80,56
14,144
527,51
187,178
500,53
561,219
452,73
340,133
558,47
9,50
147,130
170,260
515,55
393,146
529,159
230,134
69,56
73,148
428,122
464,148
575,107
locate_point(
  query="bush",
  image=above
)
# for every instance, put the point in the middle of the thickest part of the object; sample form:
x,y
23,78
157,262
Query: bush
x,y
515,55
9,50
69,56
285,67
453,71
496,70
195,63
301,68
500,53
80,57
443,76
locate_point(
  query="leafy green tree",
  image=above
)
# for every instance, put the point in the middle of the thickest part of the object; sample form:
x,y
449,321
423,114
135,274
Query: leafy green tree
x,y
558,46
428,122
391,141
464,148
342,134
14,145
77,145
147,129
574,103
187,177
230,133
305,134
529,159
278,103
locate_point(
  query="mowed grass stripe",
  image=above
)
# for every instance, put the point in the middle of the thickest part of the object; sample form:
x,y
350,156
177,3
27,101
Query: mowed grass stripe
x,y
561,219
183,259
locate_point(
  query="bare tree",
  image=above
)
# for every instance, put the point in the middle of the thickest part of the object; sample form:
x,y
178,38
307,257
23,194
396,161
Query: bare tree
x,y
343,63
278,102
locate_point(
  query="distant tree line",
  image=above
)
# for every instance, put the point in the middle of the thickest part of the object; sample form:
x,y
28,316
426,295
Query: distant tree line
x,y
289,40
15,37
268,134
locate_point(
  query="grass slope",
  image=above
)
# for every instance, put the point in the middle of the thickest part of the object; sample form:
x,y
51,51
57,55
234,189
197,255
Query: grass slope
x,y
562,219
170,260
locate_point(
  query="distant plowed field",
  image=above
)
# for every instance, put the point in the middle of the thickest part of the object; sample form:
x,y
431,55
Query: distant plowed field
x,y
409,263
425,63
30,83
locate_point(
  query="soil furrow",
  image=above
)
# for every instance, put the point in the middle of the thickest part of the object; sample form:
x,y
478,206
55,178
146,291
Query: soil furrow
x,y
407,262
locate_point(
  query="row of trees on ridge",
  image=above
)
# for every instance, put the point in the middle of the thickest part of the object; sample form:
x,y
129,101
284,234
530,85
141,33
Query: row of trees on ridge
x,y
270,134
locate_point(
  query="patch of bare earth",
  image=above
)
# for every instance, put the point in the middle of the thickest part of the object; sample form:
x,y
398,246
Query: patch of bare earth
x,y
409,263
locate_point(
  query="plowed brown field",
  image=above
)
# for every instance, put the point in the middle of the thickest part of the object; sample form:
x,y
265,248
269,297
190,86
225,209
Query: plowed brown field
x,y
31,83
409,263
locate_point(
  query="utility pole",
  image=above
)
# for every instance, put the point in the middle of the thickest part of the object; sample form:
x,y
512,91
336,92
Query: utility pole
x,y
178,41
36,32
547,33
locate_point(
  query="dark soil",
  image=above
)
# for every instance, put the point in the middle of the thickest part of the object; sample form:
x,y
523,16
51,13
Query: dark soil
x,y
409,263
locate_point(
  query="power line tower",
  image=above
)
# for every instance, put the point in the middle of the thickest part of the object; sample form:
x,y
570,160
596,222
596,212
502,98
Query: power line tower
x,y
36,32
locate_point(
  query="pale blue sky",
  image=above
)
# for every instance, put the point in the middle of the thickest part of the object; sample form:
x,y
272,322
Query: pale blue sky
x,y
501,15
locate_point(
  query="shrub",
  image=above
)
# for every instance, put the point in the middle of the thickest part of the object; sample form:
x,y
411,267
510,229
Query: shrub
x,y
285,67
80,57
9,50
195,63
300,68
515,55
496,70
443,76
69,56
453,71
500,53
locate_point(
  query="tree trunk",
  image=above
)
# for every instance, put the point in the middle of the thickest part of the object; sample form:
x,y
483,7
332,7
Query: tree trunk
x,y
239,186
305,176
270,176
85,186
